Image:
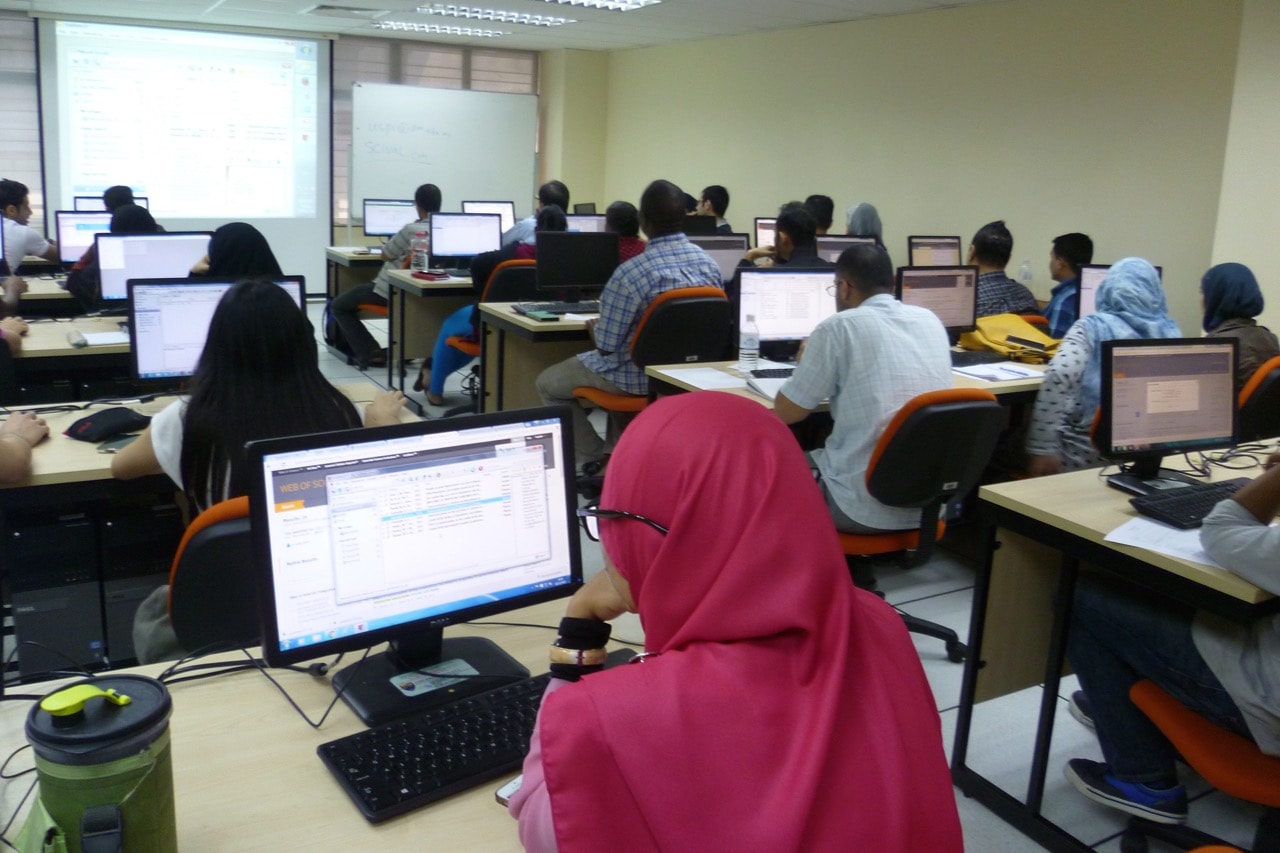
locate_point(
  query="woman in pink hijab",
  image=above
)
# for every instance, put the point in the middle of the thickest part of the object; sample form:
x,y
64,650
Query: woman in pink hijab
x,y
779,708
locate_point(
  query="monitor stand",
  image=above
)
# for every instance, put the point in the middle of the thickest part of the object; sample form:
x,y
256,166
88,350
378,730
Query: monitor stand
x,y
1146,477
389,685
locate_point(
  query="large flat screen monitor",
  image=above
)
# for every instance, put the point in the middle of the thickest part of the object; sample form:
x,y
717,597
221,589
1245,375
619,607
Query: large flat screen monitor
x,y
1091,278
95,202
787,305
76,230
1161,397
505,209
725,249
384,217
169,321
934,252
593,222
949,292
764,228
574,263
456,238
831,246
390,534
125,256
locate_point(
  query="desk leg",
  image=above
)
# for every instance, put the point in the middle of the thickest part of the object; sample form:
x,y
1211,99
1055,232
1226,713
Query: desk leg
x,y
1052,677
331,280
974,662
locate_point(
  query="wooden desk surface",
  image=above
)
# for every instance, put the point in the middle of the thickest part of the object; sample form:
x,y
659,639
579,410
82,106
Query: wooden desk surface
x,y
47,339
246,773
505,314
41,288
343,256
404,280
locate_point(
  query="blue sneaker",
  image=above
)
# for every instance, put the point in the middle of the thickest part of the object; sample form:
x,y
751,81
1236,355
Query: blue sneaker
x,y
1168,805
1080,708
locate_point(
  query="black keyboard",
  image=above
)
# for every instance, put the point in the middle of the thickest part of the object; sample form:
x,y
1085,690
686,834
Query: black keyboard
x,y
588,306
397,767
1186,508
773,372
974,357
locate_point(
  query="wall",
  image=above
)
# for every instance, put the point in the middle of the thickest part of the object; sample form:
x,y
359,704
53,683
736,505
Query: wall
x,y
1103,116
573,98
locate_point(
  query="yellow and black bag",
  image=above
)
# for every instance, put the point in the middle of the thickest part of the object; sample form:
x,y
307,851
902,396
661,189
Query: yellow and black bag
x,y
1011,335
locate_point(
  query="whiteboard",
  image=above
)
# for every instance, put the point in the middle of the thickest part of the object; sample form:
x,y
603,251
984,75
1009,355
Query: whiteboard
x,y
477,146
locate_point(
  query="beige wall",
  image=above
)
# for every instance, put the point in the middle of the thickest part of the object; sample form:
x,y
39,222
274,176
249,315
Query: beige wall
x,y
1104,116
572,101
1249,220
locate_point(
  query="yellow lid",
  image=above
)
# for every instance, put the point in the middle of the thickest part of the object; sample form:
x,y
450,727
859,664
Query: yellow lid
x,y
64,703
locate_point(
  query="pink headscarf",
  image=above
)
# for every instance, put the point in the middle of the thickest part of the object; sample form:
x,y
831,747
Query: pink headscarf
x,y
786,710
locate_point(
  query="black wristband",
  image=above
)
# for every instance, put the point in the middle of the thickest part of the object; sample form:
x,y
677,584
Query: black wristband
x,y
568,672
578,633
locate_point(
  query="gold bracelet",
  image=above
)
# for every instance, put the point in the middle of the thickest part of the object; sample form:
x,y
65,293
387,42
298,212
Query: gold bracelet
x,y
578,657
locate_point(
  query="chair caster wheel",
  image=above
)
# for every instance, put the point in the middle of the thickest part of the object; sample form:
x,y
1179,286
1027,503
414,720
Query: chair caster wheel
x,y
957,652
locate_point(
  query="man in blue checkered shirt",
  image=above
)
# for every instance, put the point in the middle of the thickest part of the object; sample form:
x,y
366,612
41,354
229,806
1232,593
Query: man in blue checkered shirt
x,y
669,261
1069,253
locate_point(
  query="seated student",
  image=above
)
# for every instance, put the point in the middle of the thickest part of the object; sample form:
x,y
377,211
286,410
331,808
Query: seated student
x,y
778,707
1231,299
20,240
1069,253
11,331
670,261
823,210
238,249
997,293
1225,671
84,281
714,202
20,432
1130,304
869,359
863,220
444,358
794,241
623,219
552,192
345,307
116,197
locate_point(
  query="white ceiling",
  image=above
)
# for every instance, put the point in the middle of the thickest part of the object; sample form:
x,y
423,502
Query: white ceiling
x,y
670,21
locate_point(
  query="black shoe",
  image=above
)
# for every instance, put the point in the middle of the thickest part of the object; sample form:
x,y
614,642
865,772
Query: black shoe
x,y
1080,708
1168,805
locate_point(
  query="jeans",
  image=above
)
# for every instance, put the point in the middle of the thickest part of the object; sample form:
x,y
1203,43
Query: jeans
x,y
346,313
1117,639
444,358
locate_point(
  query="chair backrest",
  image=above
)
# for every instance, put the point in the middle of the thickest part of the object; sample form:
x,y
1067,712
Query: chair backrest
x,y
684,325
936,447
515,280
1259,403
212,589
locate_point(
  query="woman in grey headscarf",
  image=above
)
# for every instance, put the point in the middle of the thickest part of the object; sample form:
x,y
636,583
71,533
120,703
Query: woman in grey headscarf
x,y
863,220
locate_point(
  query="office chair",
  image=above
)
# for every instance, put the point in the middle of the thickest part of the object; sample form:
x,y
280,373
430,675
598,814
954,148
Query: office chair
x,y
1259,403
1231,763
1038,320
515,280
212,590
934,450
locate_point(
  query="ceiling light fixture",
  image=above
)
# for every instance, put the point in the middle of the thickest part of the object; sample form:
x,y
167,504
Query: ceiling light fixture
x,y
439,29
611,5
452,11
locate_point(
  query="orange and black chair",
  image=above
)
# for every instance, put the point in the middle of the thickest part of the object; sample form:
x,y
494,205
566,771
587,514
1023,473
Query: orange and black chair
x,y
932,452
1259,403
212,589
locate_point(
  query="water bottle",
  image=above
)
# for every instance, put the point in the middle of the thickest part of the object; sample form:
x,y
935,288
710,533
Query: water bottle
x,y
1024,272
420,252
749,344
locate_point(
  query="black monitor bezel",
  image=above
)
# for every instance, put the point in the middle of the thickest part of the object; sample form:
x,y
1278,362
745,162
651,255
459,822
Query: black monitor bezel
x,y
911,249
847,239
1079,296
120,302
571,218
364,219
581,208
57,229
554,246
951,330
258,508
755,228
438,260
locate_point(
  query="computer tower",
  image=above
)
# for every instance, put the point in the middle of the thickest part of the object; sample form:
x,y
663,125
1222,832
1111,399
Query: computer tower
x,y
52,568
138,544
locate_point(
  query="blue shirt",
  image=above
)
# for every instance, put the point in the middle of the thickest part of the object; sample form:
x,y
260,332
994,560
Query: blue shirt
x,y
521,232
667,263
1061,310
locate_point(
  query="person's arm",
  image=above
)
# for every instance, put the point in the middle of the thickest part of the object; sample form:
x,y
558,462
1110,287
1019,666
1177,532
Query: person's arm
x,y
385,408
1057,397
51,253
137,459
14,287
1238,533
201,267
11,331
814,379
788,411
21,432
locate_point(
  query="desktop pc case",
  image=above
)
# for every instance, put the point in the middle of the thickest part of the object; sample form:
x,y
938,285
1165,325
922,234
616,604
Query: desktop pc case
x,y
137,545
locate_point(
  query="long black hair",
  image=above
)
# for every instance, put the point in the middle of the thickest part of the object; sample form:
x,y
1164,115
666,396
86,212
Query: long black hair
x,y
238,248
258,377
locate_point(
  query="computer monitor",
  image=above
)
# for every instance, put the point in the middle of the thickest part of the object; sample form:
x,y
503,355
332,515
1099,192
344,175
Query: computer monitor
x,y
934,252
76,230
390,534
725,249
699,224
165,255
585,207
505,209
832,246
572,263
384,217
456,238
90,203
950,292
787,305
764,230
1091,278
169,321
593,223
1161,397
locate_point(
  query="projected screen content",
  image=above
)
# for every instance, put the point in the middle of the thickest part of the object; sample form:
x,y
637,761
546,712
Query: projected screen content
x,y
125,256
76,232
463,235
384,217
505,209
95,202
787,304
169,321
949,292
933,251
725,249
145,106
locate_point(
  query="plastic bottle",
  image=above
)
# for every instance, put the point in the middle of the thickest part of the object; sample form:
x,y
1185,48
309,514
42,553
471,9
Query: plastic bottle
x,y
1024,272
749,344
420,252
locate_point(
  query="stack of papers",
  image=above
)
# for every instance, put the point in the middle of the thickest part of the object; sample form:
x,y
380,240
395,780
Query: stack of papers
x,y
1000,371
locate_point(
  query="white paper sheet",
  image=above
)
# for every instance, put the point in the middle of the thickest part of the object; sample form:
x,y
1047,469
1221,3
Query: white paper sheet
x,y
706,378
98,339
1001,371
1161,538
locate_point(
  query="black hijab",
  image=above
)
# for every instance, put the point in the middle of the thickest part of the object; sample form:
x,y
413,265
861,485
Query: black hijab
x,y
239,249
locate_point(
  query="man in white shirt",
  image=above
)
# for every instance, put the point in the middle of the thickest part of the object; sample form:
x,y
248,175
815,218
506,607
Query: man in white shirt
x,y
868,359
20,239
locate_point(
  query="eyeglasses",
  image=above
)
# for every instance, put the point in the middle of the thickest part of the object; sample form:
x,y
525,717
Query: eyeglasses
x,y
833,287
589,517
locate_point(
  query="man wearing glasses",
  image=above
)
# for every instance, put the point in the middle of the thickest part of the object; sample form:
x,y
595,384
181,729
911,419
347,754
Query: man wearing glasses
x,y
868,359
552,192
